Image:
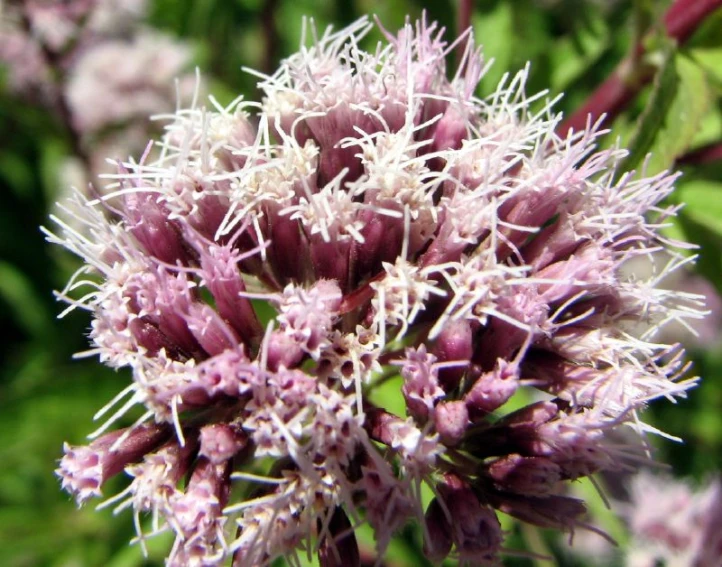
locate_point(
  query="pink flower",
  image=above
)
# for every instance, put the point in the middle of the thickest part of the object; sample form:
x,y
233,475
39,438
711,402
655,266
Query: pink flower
x,y
371,217
673,523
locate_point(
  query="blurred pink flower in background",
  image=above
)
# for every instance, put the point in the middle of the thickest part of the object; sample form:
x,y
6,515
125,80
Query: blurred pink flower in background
x,y
124,81
102,71
673,523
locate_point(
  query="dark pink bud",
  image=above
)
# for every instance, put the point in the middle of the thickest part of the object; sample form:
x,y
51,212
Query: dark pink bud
x,y
230,373
475,529
383,236
531,416
549,511
238,135
287,252
421,386
221,441
85,469
219,265
454,343
535,476
209,208
437,545
167,298
527,208
514,433
492,389
147,335
450,130
197,512
378,424
556,375
331,260
282,351
451,420
338,547
209,329
147,220
591,268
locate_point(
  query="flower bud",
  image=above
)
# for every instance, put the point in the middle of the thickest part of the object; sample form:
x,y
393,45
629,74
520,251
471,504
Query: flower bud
x,y
534,476
475,529
221,441
85,469
148,221
451,420
338,547
549,511
492,389
438,543
454,343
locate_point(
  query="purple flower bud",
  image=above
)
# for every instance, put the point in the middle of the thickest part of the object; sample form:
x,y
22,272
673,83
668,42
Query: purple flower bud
x,y
450,130
475,529
560,512
454,343
209,329
533,476
219,265
148,222
230,373
421,386
338,547
221,441
492,389
287,253
438,543
451,420
196,514
84,470
282,351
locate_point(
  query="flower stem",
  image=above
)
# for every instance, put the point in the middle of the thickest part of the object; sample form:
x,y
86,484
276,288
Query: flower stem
x,y
706,154
463,23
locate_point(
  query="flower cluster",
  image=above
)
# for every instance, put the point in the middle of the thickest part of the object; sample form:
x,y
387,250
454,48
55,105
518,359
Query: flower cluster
x,y
370,218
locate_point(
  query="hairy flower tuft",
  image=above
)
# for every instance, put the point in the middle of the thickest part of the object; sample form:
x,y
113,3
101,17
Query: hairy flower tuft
x,y
370,218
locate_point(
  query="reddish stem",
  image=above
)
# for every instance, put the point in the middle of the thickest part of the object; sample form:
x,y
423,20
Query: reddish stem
x,y
270,36
685,16
613,95
705,154
463,23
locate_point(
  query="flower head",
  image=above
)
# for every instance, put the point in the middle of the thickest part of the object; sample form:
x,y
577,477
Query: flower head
x,y
370,216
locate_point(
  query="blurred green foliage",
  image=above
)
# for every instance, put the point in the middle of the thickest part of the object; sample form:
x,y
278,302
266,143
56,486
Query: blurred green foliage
x,y
46,397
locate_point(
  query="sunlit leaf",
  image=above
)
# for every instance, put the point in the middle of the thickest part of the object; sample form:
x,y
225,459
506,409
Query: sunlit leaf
x,y
651,121
703,203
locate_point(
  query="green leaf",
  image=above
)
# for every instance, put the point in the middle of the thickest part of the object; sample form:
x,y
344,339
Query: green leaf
x,y
650,122
710,59
20,295
684,118
18,174
388,395
493,31
573,56
703,201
